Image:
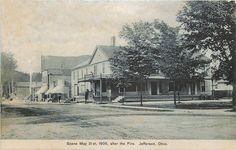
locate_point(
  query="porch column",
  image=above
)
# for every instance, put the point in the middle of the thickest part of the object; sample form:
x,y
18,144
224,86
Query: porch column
x,y
158,88
149,87
195,88
189,89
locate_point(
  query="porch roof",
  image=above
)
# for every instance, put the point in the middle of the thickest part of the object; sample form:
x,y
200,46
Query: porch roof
x,y
91,77
157,77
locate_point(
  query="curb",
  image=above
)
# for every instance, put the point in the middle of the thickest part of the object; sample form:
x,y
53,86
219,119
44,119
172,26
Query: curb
x,y
187,112
139,108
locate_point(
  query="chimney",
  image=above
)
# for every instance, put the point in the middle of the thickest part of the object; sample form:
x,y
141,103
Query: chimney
x,y
113,41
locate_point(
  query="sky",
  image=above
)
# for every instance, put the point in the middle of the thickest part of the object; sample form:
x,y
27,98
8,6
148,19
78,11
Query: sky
x,y
31,28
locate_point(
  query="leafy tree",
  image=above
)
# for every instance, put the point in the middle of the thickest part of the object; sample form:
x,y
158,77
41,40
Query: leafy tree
x,y
178,63
210,25
120,69
142,40
8,66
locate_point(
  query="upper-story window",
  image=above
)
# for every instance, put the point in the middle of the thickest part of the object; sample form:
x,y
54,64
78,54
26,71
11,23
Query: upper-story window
x,y
103,67
73,75
86,71
157,71
82,74
95,70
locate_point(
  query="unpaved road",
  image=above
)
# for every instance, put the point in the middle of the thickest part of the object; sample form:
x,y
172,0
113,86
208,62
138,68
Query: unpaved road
x,y
90,121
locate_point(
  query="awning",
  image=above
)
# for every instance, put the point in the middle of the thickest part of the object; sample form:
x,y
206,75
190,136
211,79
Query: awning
x,y
58,89
42,90
49,90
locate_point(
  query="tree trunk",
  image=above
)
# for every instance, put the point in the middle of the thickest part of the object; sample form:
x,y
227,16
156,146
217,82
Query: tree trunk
x,y
124,96
174,93
234,79
124,90
141,94
234,63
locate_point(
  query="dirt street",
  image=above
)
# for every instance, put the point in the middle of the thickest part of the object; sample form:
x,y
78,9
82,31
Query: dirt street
x,y
90,121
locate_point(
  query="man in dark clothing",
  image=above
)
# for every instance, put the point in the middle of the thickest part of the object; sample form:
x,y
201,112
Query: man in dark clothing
x,y
86,95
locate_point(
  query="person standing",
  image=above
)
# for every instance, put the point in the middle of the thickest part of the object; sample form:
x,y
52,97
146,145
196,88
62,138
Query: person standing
x,y
86,96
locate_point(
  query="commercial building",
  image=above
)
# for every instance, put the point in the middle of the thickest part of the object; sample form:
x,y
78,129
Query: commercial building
x,y
56,76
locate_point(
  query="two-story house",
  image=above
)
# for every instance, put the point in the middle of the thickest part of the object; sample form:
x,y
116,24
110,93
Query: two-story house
x,y
95,75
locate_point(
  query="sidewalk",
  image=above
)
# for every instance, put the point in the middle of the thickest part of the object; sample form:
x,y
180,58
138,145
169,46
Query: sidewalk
x,y
169,108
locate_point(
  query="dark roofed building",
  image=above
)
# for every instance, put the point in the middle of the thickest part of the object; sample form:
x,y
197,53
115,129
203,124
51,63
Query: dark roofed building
x,y
61,62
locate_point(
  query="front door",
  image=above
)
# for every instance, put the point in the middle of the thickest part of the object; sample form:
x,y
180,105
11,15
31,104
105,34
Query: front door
x,y
153,88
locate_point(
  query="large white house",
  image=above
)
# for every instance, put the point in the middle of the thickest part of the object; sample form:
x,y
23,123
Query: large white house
x,y
95,75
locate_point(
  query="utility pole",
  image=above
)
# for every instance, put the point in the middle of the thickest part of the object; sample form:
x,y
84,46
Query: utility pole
x,y
101,90
12,86
30,86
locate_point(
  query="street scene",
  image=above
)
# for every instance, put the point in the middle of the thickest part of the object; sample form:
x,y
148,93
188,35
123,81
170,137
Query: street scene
x,y
118,70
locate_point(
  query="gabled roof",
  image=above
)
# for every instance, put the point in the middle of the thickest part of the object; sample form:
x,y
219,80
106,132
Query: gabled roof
x,y
84,63
108,51
61,62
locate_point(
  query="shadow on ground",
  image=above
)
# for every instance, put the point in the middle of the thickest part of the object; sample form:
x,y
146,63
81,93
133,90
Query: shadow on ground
x,y
206,105
10,111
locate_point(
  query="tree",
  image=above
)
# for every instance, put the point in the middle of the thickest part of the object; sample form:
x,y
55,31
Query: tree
x,y
120,69
177,63
8,66
210,25
142,40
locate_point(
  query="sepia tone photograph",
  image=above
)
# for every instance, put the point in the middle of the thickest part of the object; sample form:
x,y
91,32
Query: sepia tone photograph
x,y
118,70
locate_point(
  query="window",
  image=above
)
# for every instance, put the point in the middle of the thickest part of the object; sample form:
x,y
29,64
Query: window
x,y
77,74
86,71
203,87
73,75
54,83
160,87
121,89
157,71
82,74
171,86
95,69
104,88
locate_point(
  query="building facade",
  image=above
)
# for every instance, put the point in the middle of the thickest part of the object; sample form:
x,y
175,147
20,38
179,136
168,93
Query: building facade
x,y
22,89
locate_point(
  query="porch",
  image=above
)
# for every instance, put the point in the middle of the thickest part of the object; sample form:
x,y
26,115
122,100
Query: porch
x,y
103,89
